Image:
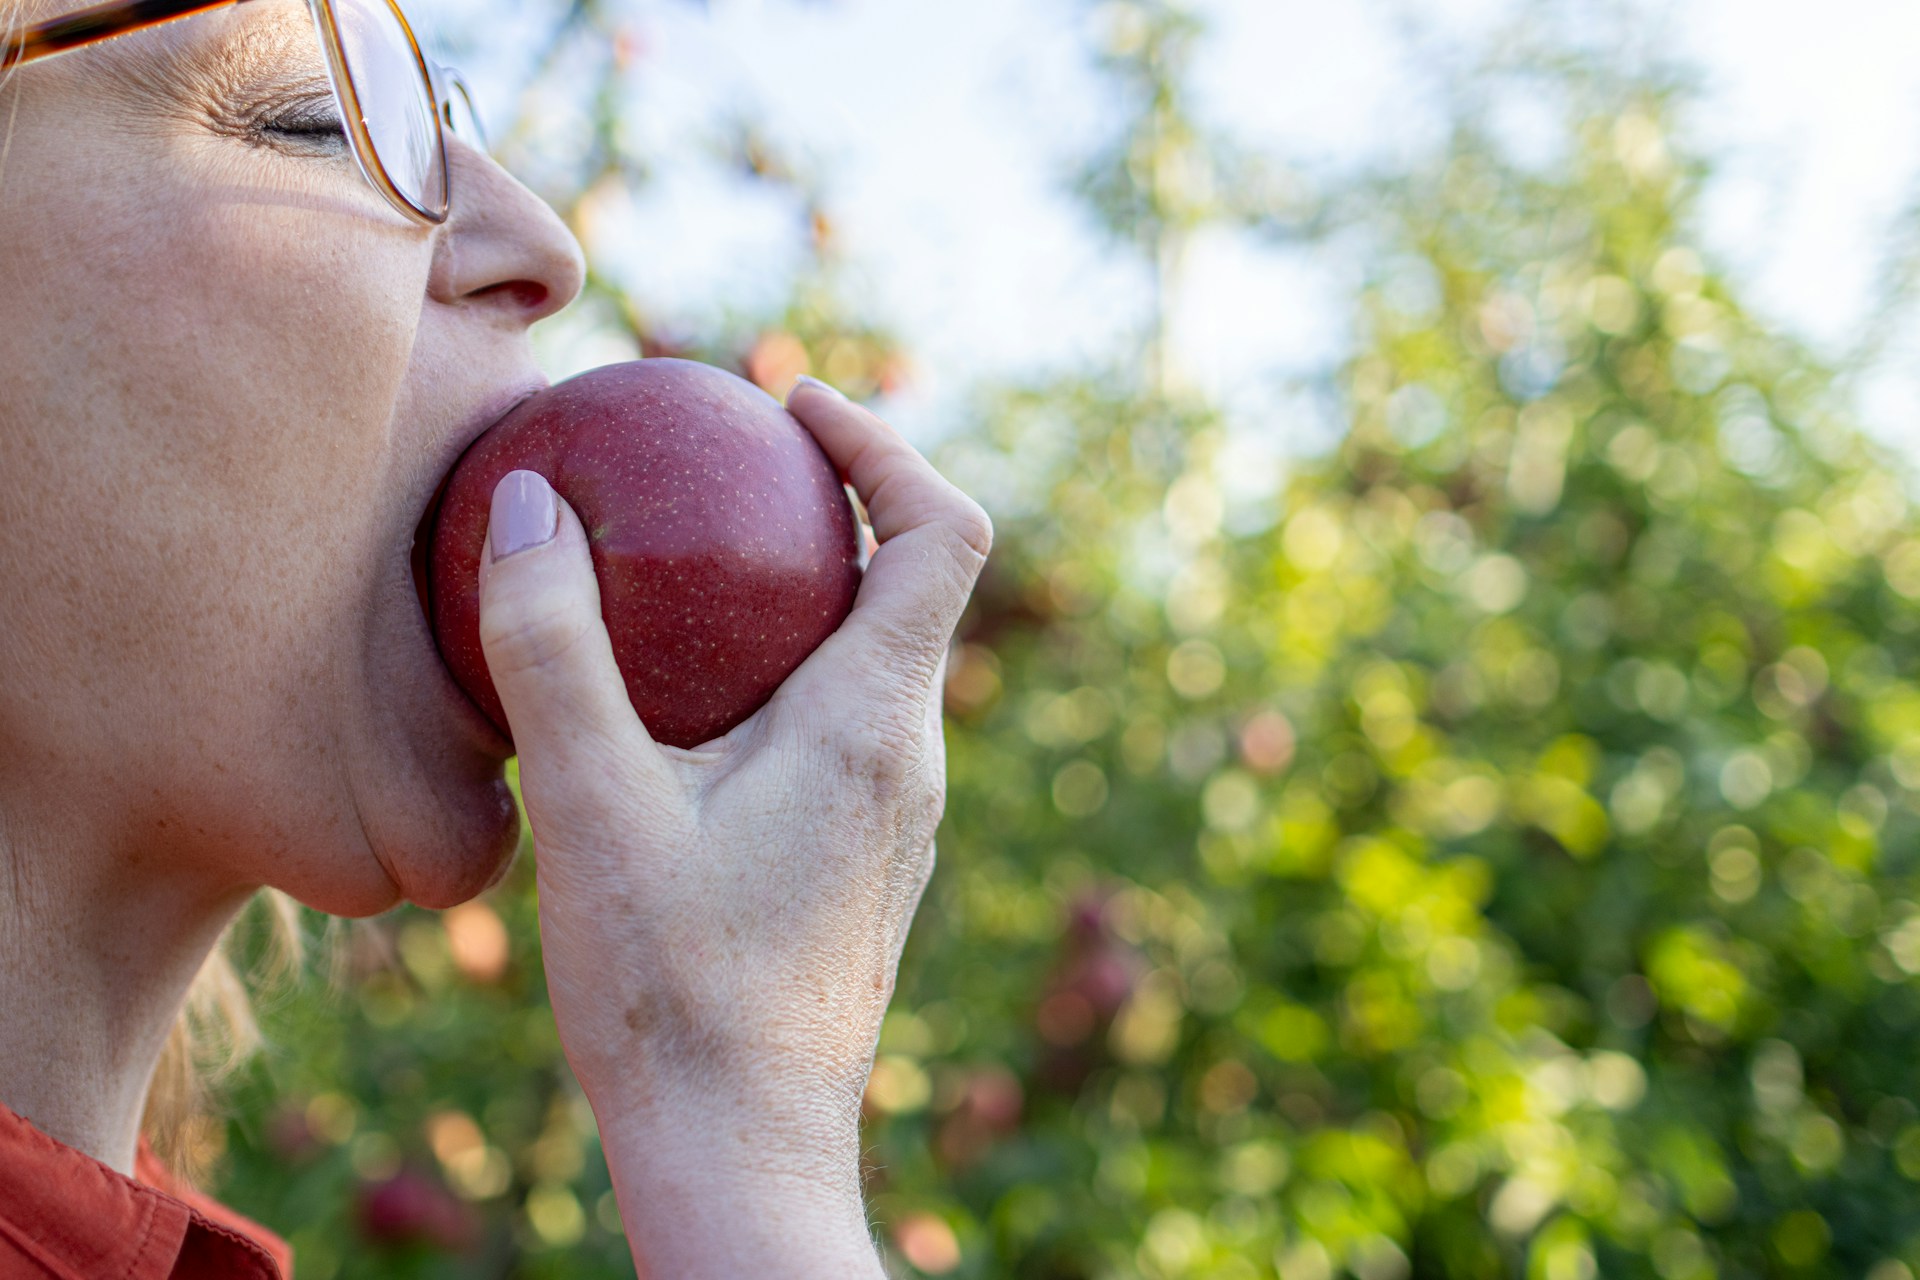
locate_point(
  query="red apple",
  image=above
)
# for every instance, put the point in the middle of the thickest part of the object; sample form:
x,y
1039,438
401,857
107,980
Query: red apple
x,y
724,544
415,1208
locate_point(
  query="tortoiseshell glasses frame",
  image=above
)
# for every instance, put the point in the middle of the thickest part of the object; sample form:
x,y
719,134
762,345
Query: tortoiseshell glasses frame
x,y
432,102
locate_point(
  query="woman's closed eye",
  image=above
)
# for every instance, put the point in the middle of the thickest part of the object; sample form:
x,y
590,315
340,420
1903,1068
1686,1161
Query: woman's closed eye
x,y
309,128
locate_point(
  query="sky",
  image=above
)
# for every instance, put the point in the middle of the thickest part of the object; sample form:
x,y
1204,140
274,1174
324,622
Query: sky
x,y
939,132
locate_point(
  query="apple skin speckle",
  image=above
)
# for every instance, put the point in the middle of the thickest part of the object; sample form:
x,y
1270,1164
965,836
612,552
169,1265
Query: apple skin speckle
x,y
713,515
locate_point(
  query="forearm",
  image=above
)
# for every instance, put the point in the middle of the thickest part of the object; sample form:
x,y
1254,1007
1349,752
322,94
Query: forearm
x,y
717,1192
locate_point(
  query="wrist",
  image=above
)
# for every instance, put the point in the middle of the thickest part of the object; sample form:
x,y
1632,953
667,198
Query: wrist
x,y
808,1135
709,1188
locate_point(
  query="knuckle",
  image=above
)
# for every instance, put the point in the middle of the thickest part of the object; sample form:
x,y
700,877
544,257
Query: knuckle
x,y
974,526
910,648
889,488
867,457
535,638
966,534
878,756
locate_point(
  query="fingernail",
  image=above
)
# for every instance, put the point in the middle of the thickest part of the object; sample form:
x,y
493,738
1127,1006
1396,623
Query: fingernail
x,y
804,381
524,514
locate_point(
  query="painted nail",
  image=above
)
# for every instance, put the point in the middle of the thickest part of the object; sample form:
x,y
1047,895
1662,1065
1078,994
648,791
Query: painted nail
x,y
804,380
524,514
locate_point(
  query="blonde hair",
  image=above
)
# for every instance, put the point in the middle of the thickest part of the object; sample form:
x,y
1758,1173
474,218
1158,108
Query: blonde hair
x,y
216,1033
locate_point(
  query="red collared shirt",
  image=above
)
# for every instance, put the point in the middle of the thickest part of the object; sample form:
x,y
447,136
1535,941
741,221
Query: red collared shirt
x,y
66,1216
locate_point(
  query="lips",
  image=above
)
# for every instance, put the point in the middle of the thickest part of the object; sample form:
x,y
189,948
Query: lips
x,y
495,408
422,540
453,448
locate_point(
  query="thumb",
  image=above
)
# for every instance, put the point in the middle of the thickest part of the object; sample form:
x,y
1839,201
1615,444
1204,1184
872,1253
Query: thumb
x,y
545,643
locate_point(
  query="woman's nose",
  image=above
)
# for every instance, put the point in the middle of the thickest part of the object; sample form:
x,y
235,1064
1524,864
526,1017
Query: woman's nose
x,y
502,247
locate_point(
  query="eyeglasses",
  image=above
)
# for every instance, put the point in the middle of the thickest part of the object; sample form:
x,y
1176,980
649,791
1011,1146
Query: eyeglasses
x,y
398,106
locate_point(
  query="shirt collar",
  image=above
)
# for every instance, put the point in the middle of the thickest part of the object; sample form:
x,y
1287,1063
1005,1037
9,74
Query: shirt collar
x,y
78,1219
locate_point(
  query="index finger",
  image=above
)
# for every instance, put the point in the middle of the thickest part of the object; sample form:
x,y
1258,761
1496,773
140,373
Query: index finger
x,y
933,540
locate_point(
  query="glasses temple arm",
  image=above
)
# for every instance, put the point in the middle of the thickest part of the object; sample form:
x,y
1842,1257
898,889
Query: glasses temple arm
x,y
101,22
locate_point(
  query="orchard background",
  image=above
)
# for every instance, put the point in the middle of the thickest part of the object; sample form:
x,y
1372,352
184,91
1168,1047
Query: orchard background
x,y
1490,853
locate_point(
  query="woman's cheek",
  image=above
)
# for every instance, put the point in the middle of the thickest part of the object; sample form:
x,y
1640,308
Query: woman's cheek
x,y
305,313
325,291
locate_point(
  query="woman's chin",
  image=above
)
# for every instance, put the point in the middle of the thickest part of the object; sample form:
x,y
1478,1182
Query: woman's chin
x,y
469,854
473,855
427,774
435,851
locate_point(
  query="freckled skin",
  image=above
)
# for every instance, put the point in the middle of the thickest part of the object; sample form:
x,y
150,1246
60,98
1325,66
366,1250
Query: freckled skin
x,y
724,545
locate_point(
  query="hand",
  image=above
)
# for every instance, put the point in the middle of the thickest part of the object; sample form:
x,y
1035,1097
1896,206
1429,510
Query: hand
x,y
722,926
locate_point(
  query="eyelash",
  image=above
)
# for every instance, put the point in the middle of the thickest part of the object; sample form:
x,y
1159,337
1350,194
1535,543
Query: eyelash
x,y
306,128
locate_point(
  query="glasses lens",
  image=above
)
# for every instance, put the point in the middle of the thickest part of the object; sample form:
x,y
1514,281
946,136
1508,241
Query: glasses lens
x,y
463,117
395,100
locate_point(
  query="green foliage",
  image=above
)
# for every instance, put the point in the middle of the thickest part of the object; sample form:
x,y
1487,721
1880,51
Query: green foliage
x,y
1490,855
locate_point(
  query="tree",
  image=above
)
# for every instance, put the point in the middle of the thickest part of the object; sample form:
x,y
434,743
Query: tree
x,y
1494,862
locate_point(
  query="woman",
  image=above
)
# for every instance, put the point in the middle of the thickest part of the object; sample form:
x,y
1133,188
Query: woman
x,y
241,344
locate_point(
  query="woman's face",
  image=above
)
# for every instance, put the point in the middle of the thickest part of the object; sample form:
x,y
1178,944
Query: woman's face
x,y
231,378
